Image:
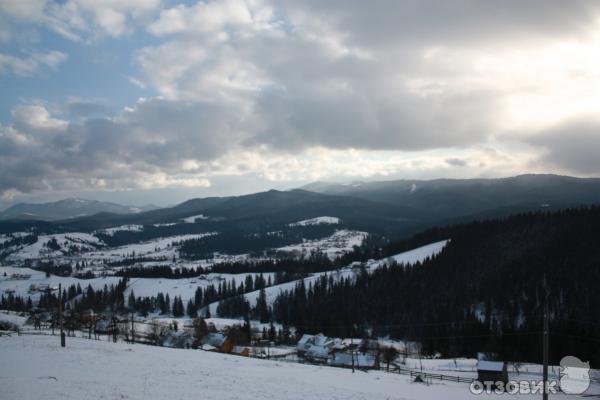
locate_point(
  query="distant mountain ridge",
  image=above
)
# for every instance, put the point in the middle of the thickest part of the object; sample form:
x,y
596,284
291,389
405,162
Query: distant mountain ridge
x,y
454,198
65,209
396,209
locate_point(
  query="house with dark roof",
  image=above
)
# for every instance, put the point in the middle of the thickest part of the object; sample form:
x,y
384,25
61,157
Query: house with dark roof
x,y
492,371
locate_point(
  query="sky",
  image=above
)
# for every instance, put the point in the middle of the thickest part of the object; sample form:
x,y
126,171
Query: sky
x,y
158,101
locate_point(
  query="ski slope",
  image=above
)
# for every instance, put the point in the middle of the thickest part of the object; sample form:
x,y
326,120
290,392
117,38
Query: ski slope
x,y
36,367
408,257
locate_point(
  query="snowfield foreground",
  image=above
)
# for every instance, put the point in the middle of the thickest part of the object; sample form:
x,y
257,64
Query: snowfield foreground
x,y
36,367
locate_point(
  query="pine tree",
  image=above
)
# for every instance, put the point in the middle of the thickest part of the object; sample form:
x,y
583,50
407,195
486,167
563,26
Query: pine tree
x,y
191,309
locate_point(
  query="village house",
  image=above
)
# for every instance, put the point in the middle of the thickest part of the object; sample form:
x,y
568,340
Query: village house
x,y
492,371
318,347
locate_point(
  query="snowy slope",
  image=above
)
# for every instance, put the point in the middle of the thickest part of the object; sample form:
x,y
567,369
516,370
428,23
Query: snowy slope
x,y
412,256
341,242
35,367
408,257
317,221
72,241
21,287
185,287
112,231
12,317
193,218
161,247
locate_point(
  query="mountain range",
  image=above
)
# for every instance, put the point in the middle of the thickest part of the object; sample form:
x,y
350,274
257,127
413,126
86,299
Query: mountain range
x,y
67,208
394,208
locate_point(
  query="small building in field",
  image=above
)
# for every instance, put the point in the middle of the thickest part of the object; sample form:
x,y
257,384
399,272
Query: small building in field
x,y
216,340
492,371
318,347
177,339
304,343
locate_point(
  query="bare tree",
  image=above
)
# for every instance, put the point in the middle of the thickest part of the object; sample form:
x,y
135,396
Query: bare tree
x,y
157,330
389,354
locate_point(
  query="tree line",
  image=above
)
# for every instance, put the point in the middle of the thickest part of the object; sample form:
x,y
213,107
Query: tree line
x,y
483,292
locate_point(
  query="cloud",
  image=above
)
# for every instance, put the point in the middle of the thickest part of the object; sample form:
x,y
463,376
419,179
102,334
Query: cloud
x,y
30,64
293,90
385,24
571,146
77,20
156,143
346,75
456,162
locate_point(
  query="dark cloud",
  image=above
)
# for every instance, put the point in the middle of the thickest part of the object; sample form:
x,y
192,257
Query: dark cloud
x,y
572,146
456,162
377,75
154,137
438,22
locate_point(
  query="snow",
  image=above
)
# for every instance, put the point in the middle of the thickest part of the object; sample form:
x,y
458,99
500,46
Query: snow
x,y
192,219
341,242
185,287
317,221
161,247
82,241
112,231
36,367
490,366
22,287
409,257
413,256
13,318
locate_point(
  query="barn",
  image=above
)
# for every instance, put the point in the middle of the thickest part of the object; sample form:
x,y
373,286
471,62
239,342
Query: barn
x,y
492,371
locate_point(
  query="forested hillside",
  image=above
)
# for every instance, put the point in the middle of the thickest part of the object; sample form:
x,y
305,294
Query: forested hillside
x,y
483,292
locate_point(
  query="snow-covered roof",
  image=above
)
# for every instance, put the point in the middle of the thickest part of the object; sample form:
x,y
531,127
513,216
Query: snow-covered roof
x,y
304,339
321,340
214,339
497,366
318,352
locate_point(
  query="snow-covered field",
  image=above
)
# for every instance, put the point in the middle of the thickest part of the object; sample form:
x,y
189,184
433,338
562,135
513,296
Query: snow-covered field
x,y
339,243
76,241
24,288
12,317
36,367
185,287
193,218
317,221
122,228
162,247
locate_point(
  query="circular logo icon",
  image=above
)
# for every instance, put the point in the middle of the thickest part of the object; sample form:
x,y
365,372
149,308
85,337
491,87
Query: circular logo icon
x,y
574,375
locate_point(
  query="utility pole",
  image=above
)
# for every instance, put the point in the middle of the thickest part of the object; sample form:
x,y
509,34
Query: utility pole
x,y
60,316
132,329
545,341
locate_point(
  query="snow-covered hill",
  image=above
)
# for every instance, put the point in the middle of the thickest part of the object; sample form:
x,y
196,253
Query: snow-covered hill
x,y
408,257
36,367
57,245
317,221
26,282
